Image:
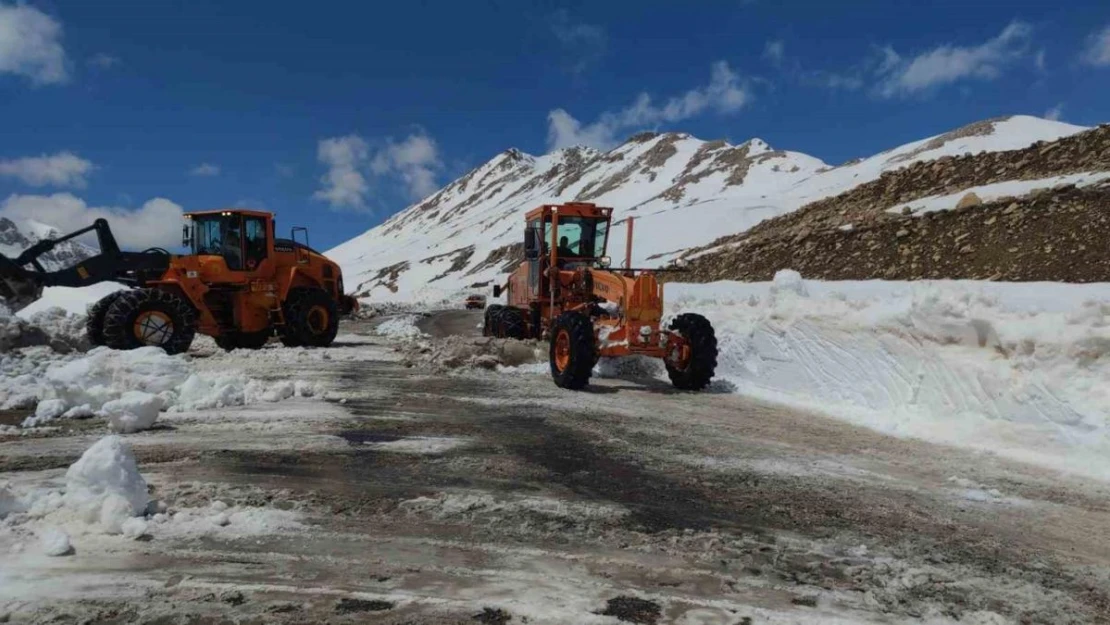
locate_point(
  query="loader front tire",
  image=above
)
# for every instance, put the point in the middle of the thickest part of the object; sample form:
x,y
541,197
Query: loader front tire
x,y
573,350
693,370
94,321
142,317
311,318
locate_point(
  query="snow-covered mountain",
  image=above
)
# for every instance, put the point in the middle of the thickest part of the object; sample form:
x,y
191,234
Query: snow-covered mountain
x,y
684,192
16,237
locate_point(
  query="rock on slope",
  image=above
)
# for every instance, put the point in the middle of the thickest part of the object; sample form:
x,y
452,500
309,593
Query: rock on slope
x,y
1038,213
685,193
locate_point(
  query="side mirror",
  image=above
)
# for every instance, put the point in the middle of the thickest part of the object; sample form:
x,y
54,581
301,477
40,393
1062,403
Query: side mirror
x,y
604,262
186,238
531,244
497,290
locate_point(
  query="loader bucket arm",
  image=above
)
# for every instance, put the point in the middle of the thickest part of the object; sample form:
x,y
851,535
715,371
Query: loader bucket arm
x,y
20,285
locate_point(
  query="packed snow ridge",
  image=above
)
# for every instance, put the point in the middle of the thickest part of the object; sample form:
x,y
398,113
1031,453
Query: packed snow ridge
x,y
681,190
1018,369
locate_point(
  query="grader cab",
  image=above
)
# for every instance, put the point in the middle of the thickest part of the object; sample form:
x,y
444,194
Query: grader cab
x,y
566,292
239,284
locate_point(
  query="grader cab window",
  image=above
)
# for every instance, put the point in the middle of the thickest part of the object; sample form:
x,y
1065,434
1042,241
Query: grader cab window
x,y
579,237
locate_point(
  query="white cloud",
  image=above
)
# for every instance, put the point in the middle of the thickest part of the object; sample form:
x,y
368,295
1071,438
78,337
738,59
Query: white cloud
x,y
1055,112
582,44
103,61
345,186
1097,51
415,161
947,63
63,169
157,223
775,51
1039,60
205,169
30,45
725,93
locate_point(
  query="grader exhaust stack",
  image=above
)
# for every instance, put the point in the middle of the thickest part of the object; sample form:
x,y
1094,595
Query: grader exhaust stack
x,y
566,292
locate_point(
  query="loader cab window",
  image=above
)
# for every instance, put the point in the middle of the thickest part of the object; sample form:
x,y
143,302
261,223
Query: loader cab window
x,y
255,243
220,235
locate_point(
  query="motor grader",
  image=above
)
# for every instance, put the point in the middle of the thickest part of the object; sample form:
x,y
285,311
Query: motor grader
x,y
566,292
239,284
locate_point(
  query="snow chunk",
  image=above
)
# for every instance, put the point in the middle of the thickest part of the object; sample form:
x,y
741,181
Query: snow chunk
x,y
132,412
105,486
134,528
50,409
788,281
55,542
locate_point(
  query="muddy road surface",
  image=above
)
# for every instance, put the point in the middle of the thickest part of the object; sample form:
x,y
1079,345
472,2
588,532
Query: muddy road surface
x,y
494,497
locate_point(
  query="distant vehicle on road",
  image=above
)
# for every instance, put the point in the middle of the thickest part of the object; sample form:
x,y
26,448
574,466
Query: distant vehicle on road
x,y
476,301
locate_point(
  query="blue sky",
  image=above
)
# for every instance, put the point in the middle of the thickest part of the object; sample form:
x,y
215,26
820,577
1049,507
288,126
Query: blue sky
x,y
335,115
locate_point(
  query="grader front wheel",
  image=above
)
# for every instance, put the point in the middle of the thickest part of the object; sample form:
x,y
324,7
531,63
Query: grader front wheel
x,y
573,352
692,366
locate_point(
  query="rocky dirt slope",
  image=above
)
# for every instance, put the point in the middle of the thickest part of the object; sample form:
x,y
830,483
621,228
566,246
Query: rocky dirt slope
x,y
1055,232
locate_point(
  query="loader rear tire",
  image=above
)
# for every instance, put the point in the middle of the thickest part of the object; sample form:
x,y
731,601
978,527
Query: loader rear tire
x,y
94,321
491,319
512,324
311,318
573,350
142,317
698,368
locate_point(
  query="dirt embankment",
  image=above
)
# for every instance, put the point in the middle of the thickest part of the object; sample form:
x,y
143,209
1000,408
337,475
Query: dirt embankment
x,y
1051,234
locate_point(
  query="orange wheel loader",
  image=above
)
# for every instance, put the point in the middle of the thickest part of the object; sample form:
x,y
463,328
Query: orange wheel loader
x,y
239,284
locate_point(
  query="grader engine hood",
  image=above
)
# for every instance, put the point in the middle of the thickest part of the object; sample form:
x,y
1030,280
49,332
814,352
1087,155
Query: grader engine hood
x,y
639,298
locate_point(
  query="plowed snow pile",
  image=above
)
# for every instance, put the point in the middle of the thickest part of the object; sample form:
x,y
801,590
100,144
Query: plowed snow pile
x,y
458,352
1021,369
104,494
41,368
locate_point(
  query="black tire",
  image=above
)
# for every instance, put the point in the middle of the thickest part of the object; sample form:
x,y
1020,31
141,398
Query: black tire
x,y
490,320
702,363
311,318
512,324
244,340
94,321
573,350
141,317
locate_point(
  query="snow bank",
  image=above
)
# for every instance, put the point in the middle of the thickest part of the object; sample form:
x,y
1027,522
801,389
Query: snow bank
x,y
999,190
1021,369
129,388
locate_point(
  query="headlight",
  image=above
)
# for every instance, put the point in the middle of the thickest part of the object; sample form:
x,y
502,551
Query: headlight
x,y
604,262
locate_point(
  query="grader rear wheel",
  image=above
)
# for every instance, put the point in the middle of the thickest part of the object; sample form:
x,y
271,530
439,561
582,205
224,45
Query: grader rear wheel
x,y
142,317
573,352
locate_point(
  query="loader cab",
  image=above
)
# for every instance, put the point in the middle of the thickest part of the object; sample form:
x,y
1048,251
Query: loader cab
x,y
242,238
